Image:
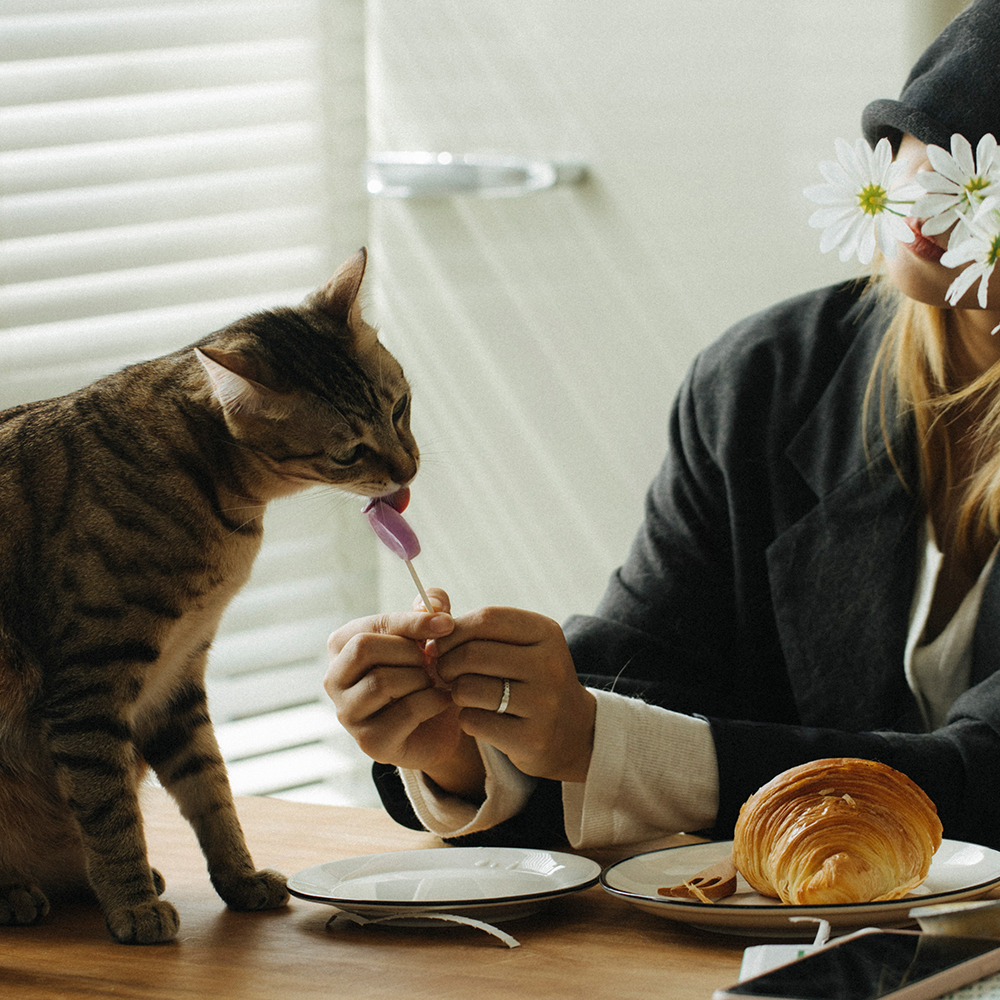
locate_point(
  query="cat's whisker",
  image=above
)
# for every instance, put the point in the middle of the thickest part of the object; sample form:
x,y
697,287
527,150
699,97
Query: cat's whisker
x,y
324,499
245,524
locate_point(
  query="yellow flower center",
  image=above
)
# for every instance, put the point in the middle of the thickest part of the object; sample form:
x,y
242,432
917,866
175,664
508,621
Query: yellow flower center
x,y
873,199
993,254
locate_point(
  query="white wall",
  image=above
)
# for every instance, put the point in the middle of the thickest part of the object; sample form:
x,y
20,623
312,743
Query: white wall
x,y
546,336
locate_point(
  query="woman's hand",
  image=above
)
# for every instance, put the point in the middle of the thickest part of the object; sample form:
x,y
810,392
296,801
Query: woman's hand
x,y
380,680
547,729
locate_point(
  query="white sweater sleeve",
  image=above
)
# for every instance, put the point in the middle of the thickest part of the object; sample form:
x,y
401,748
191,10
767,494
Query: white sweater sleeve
x,y
507,791
653,772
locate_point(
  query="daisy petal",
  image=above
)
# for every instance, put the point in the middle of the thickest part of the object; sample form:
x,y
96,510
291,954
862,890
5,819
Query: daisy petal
x,y
962,153
959,234
890,230
961,284
904,194
851,238
962,254
931,180
986,152
935,224
834,233
824,217
853,165
898,229
866,248
945,165
883,237
932,204
991,204
835,174
881,157
984,288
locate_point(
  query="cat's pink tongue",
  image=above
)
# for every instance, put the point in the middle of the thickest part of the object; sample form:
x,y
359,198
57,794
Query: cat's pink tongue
x,y
398,500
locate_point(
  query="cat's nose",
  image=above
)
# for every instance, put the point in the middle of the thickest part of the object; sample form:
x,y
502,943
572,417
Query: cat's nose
x,y
404,469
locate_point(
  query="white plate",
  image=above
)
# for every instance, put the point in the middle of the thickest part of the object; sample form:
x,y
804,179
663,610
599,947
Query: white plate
x,y
486,883
958,871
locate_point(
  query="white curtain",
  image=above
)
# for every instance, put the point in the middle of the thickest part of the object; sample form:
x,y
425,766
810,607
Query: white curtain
x,y
165,168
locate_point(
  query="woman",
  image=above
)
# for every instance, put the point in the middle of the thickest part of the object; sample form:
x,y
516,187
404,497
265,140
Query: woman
x,y
813,576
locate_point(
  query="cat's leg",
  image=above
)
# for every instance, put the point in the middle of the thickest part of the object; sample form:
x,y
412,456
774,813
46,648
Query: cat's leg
x,y
97,772
40,850
125,885
22,900
183,751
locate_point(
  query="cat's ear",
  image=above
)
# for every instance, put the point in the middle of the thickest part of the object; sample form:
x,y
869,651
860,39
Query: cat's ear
x,y
339,296
237,393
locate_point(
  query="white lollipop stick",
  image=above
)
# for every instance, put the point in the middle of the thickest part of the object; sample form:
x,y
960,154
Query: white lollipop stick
x,y
420,587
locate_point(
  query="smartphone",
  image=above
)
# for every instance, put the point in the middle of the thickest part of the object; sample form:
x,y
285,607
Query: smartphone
x,y
904,965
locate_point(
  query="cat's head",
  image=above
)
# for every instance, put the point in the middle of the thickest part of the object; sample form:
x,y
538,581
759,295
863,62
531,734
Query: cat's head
x,y
314,394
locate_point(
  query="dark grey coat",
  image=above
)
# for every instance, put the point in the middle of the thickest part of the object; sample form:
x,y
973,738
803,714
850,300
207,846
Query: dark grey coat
x,y
770,584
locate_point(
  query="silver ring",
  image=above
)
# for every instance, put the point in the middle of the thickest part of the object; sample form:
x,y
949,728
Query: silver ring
x,y
505,699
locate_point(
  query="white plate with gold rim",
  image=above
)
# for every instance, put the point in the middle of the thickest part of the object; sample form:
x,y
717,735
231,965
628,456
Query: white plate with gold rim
x,y
958,871
485,883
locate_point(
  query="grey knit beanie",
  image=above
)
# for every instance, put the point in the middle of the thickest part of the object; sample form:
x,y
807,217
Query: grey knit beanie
x,y
954,86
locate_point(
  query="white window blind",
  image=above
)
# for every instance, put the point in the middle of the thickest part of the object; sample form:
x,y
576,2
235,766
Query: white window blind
x,y
166,167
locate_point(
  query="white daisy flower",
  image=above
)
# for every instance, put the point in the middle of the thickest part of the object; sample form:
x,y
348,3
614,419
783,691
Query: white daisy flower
x,y
957,185
980,250
860,213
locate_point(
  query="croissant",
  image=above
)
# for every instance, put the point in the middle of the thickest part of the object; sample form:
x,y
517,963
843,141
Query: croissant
x,y
839,830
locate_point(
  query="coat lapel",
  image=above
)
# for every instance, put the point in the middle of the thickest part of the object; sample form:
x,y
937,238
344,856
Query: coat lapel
x,y
843,576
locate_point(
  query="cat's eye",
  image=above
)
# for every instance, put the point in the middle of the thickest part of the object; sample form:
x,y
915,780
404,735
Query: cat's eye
x,y
350,457
401,408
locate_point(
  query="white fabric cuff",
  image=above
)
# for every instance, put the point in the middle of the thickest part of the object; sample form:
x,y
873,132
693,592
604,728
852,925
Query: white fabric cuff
x,y
653,772
507,791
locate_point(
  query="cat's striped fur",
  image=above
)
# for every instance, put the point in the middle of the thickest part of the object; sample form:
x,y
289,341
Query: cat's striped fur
x,y
130,513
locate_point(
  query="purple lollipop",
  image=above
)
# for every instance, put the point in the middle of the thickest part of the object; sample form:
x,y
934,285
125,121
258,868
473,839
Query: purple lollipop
x,y
396,535
393,531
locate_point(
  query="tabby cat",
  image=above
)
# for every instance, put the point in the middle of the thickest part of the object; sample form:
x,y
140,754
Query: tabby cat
x,y
131,513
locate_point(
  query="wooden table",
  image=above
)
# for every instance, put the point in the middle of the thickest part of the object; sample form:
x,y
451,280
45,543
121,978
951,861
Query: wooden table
x,y
588,945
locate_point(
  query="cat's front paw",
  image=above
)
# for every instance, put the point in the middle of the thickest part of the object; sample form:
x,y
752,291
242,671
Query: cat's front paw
x,y
148,923
264,890
22,904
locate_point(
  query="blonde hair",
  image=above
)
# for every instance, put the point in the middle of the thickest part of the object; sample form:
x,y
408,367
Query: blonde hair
x,y
913,358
